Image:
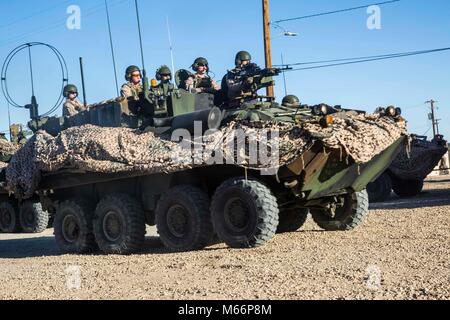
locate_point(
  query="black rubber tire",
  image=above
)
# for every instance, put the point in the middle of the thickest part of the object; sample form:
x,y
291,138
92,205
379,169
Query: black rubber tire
x,y
260,222
9,217
292,219
380,189
128,214
191,206
350,216
407,188
33,219
73,227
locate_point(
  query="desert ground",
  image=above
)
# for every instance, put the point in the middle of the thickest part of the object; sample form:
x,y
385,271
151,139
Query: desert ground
x,y
402,251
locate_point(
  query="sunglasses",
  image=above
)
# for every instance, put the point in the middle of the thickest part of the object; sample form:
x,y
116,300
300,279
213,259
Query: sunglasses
x,y
73,92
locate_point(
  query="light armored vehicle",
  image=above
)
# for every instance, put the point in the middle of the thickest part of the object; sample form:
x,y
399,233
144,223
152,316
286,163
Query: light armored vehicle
x,y
407,173
16,217
320,171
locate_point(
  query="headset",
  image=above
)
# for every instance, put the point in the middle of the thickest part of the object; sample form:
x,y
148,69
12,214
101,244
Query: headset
x,y
158,74
195,65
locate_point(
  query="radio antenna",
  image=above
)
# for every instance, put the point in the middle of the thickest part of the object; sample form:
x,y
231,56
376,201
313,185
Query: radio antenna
x,y
112,47
9,122
82,82
140,35
170,45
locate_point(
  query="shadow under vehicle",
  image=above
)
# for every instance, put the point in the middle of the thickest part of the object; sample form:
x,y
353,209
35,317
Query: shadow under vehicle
x,y
244,207
406,175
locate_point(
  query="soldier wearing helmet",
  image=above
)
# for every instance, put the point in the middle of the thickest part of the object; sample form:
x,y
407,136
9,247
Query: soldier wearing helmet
x,y
163,75
235,86
72,106
201,82
291,101
133,87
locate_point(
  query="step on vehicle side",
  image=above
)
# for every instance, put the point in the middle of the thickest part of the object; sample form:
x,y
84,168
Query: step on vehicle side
x,y
244,207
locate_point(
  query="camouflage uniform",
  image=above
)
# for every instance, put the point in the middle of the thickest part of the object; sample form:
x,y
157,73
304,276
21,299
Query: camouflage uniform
x,y
72,107
131,90
235,86
197,82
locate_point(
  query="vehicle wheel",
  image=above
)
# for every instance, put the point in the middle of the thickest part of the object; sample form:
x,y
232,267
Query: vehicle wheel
x,y
9,220
183,219
73,227
380,189
119,224
292,219
347,215
407,188
244,213
33,219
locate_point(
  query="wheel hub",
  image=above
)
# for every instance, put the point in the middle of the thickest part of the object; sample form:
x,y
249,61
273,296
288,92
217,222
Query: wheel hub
x,y
112,226
237,214
29,217
177,221
70,229
5,218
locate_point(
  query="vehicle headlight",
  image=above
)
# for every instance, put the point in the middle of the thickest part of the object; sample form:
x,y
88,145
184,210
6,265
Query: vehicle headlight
x,y
320,110
391,111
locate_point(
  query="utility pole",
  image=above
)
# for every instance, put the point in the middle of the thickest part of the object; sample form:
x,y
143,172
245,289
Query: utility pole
x,y
267,48
433,117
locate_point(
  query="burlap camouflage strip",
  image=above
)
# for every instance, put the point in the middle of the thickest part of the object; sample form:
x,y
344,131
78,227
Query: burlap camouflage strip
x,y
110,150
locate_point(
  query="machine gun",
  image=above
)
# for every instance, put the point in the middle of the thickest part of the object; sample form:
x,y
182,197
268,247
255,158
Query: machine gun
x,y
261,77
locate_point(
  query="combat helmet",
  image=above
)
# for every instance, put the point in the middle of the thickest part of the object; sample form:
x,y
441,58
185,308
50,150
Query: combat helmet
x,y
163,71
130,71
68,89
198,62
242,56
291,101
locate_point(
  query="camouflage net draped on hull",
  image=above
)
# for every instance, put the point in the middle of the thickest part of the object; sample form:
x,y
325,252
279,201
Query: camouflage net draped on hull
x,y
110,150
7,150
418,162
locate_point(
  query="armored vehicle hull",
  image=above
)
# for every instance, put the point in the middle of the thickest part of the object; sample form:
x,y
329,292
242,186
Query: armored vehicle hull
x,y
104,183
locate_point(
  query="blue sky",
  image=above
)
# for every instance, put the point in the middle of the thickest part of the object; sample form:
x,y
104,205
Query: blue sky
x,y
218,29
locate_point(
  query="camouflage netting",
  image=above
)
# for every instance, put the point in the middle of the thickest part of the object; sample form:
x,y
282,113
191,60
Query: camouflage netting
x,y
362,136
111,150
7,150
418,162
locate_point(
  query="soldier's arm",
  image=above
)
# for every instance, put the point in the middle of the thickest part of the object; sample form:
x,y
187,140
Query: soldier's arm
x,y
69,110
125,91
215,85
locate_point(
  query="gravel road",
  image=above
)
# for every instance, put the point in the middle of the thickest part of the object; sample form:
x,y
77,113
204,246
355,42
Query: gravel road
x,y
401,252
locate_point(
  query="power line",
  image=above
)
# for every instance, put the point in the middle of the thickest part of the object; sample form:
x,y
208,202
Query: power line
x,y
384,57
399,54
335,11
57,24
8,24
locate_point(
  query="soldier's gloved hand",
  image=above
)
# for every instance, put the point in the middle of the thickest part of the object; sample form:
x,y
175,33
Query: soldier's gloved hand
x,y
250,80
190,81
